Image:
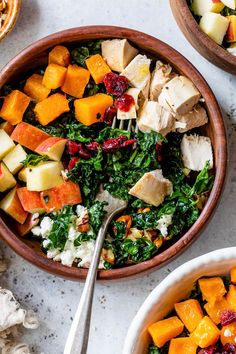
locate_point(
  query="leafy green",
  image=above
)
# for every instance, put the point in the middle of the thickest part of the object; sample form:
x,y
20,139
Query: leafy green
x,y
227,11
108,133
203,182
80,54
96,215
120,229
154,350
83,237
34,160
75,131
139,250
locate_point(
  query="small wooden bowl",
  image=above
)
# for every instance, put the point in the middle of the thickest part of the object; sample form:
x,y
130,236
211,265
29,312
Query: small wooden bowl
x,y
199,40
36,54
12,15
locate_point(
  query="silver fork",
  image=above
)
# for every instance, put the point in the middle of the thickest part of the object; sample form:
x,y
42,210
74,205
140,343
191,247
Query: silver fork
x,y
77,340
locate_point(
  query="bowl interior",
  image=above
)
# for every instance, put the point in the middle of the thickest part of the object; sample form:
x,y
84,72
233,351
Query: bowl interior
x,y
36,55
172,289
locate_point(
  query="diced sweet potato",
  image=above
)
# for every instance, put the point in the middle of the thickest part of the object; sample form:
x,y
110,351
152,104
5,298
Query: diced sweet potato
x,y
190,313
98,67
7,127
212,289
206,333
215,310
231,297
54,76
52,107
59,55
30,201
29,136
164,330
91,109
233,275
12,206
14,107
24,229
35,89
76,80
228,334
182,345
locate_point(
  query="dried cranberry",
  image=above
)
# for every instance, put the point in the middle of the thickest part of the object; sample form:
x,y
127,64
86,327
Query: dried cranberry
x,y
159,152
113,144
124,103
93,146
72,163
82,152
129,142
227,317
209,350
110,114
72,147
115,84
228,348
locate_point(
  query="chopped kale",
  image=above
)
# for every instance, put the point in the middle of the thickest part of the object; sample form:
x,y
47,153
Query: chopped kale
x,y
96,215
34,160
83,52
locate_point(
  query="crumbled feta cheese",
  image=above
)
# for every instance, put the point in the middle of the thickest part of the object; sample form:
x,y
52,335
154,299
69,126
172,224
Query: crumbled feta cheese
x,y
80,209
36,231
73,233
35,216
163,223
52,253
67,258
44,228
85,253
227,333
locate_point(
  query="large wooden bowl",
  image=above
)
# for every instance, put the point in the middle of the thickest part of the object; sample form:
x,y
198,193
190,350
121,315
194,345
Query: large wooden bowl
x,y
12,15
36,54
199,40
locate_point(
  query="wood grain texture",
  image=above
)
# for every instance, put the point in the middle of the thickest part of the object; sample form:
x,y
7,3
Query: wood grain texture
x,y
199,40
36,54
12,15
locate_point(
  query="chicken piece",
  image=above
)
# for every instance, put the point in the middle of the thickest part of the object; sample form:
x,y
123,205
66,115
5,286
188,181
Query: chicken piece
x,y
160,76
196,151
132,113
155,117
179,95
195,118
118,53
152,188
138,71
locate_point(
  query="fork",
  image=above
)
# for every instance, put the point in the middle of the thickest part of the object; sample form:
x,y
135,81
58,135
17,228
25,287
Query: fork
x,y
77,340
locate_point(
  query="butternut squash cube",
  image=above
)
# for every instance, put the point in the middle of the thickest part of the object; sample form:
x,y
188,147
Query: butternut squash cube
x,y
206,333
164,330
190,313
233,275
52,107
54,76
98,67
231,297
182,345
76,80
12,206
228,334
59,55
35,89
14,107
213,289
215,310
91,109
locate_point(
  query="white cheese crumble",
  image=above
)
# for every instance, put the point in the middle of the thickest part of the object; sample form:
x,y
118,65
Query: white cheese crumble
x,y
163,223
227,333
44,228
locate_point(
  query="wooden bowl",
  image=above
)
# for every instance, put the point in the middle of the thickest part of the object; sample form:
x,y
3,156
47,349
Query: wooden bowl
x,y
199,40
37,53
12,15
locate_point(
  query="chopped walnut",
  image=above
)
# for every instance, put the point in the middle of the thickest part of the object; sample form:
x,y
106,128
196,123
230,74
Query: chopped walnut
x,y
108,256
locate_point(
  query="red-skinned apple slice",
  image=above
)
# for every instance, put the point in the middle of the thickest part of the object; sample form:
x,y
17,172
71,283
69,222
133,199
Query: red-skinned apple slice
x,y
7,127
53,147
29,136
7,180
12,206
24,229
30,201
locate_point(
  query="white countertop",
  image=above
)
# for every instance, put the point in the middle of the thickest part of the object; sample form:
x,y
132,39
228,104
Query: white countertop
x,y
115,304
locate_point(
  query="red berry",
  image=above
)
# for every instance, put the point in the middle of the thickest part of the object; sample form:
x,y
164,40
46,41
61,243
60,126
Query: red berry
x,y
73,162
110,114
115,84
124,103
159,152
72,147
227,317
113,143
82,152
209,350
93,146
228,348
129,142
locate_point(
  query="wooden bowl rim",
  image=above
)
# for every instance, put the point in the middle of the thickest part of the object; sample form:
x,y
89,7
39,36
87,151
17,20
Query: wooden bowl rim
x,y
11,19
158,48
191,25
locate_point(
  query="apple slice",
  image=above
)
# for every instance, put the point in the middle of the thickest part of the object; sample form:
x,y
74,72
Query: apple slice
x,y
230,3
44,176
200,7
7,180
231,32
215,26
22,175
24,229
29,136
7,127
14,159
6,143
12,206
30,201
53,147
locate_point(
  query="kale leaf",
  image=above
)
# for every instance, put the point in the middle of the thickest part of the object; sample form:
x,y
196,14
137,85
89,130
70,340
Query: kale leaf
x,y
154,350
75,131
203,182
140,250
80,54
34,160
96,215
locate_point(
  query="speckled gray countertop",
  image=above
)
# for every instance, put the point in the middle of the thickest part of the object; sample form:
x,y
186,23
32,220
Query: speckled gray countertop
x,y
115,304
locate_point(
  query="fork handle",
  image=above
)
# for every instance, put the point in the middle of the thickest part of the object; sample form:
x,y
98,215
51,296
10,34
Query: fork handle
x,y
77,340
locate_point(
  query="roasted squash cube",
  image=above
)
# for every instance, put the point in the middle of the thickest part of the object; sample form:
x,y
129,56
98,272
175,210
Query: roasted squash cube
x,y
215,310
54,76
98,67
233,275
76,80
91,109
14,107
231,297
206,333
51,108
213,289
228,334
35,89
59,55
164,330
182,345
190,313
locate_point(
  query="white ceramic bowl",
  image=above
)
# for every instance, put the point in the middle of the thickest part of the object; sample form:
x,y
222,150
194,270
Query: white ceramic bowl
x,y
172,289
